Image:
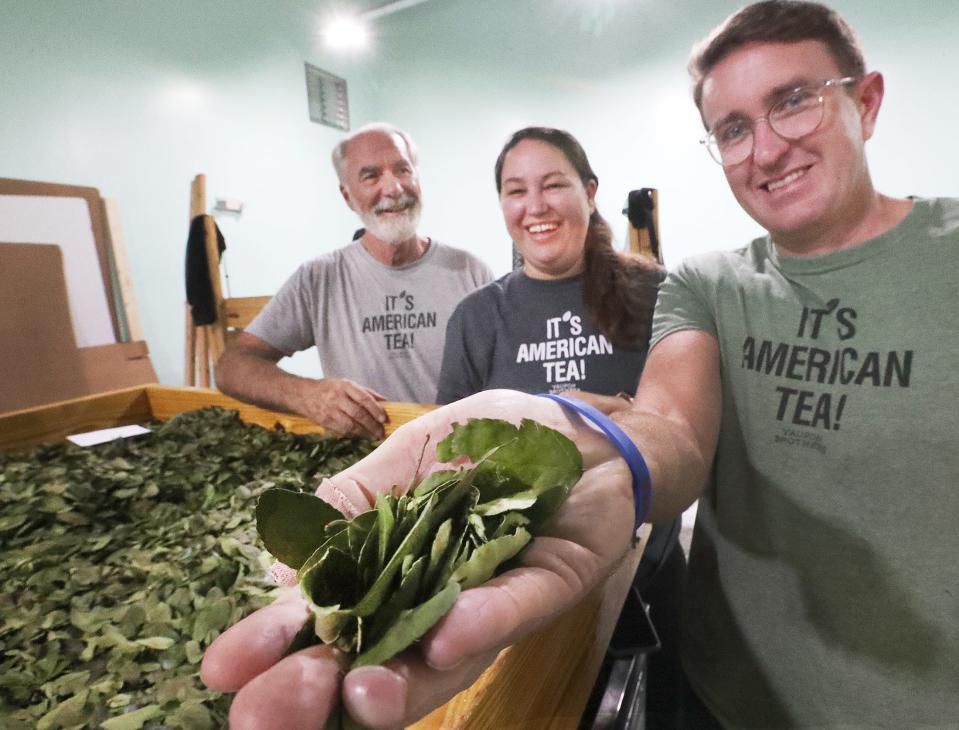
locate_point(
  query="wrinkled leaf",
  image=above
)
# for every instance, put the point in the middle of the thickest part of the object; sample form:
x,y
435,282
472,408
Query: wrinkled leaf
x,y
291,524
410,626
132,720
481,565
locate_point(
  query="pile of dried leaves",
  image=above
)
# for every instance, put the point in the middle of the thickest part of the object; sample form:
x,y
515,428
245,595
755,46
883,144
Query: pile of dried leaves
x,y
121,563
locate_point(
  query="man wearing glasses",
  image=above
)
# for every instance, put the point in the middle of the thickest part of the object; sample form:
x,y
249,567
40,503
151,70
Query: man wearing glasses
x,y
803,388
808,382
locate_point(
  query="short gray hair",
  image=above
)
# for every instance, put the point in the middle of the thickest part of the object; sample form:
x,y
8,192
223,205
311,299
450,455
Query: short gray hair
x,y
339,152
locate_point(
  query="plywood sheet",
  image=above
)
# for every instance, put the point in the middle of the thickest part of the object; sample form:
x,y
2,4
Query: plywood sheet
x,y
66,222
37,340
39,360
70,216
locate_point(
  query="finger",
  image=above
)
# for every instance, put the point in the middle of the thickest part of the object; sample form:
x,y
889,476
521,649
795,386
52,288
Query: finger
x,y
365,412
405,689
374,393
254,644
344,417
298,693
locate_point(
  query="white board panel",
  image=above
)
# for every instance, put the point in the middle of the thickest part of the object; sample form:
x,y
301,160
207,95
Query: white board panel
x,y
66,222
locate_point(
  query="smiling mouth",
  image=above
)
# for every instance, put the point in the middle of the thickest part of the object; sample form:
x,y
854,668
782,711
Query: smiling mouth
x,y
542,227
774,185
394,211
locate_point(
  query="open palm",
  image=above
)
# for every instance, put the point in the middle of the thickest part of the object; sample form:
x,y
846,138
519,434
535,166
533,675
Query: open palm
x,y
589,535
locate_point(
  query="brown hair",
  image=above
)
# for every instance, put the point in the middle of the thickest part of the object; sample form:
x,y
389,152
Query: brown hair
x,y
777,21
619,290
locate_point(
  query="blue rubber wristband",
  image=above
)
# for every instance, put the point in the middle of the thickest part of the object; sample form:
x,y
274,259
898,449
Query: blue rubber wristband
x,y
642,484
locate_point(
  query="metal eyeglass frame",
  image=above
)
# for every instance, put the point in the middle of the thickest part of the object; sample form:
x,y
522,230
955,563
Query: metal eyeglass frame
x,y
710,136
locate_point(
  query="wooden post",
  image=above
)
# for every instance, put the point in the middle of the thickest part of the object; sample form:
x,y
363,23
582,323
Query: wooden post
x,y
197,196
202,356
131,313
195,360
189,354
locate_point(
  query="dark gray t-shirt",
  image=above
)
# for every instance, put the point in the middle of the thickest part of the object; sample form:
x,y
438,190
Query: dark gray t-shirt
x,y
378,325
823,582
532,335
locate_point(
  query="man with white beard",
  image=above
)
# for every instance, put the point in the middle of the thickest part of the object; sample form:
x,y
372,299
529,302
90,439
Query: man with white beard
x,y
376,309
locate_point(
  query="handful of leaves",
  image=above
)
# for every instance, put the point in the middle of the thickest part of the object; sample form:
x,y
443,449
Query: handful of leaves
x,y
378,582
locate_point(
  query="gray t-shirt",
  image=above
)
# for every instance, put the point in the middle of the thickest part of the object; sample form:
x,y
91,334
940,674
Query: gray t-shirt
x,y
823,582
378,325
532,335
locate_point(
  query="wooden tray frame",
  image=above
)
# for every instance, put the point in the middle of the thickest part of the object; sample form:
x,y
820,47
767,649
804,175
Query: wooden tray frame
x,y
542,682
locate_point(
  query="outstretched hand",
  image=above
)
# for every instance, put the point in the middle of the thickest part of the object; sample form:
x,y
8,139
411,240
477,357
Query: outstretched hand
x,y
589,535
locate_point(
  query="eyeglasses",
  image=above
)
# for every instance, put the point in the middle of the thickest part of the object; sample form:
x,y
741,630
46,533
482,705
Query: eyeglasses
x,y
796,114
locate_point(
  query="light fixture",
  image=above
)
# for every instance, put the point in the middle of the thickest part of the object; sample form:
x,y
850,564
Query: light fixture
x,y
348,31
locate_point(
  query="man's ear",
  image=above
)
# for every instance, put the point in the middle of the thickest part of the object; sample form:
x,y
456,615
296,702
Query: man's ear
x,y
870,90
346,196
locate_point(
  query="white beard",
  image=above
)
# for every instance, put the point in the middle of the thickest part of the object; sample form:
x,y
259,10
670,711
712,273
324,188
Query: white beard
x,y
397,228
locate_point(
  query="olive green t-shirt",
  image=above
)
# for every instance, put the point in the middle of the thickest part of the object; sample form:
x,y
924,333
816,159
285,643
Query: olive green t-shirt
x,y
823,586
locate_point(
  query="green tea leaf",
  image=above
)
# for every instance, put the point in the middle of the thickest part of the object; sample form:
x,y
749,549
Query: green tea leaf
x,y
410,626
437,479
533,455
514,502
411,544
68,713
291,524
212,619
385,521
484,561
132,720
155,642
323,586
509,521
402,598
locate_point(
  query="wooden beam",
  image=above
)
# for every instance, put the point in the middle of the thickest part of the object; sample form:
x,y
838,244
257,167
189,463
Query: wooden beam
x,y
121,263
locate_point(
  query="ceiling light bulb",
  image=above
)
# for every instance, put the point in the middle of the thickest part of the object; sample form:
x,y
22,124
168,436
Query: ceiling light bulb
x,y
346,32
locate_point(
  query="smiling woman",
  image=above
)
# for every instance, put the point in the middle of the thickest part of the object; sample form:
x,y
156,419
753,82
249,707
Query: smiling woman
x,y
573,284
574,319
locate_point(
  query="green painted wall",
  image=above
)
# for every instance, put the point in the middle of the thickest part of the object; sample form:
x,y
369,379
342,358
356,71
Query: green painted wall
x,y
136,97
613,72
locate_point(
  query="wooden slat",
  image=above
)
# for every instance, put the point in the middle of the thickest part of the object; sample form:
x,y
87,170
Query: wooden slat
x,y
189,348
121,264
202,356
240,311
54,422
166,402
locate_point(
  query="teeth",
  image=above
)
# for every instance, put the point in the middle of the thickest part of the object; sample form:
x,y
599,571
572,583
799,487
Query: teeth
x,y
776,184
542,227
